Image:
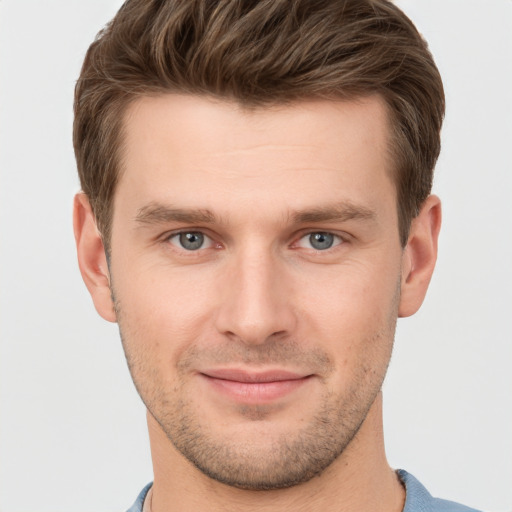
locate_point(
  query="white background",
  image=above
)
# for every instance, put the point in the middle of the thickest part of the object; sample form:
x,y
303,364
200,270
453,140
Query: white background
x,y
72,429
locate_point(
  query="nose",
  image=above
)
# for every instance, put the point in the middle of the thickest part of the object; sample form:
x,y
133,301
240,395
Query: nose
x,y
256,300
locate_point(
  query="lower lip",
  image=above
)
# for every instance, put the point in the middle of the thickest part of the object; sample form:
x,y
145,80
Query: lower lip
x,y
255,392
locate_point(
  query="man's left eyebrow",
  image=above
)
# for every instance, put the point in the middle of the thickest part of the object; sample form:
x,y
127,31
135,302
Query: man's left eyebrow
x,y
155,213
334,213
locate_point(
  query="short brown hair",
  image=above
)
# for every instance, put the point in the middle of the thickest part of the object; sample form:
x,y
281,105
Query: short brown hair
x,y
259,52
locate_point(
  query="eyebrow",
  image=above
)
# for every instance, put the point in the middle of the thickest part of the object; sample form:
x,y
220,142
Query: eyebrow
x,y
340,212
157,213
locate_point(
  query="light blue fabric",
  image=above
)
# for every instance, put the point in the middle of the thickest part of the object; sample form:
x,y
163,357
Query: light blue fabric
x,y
418,499
139,502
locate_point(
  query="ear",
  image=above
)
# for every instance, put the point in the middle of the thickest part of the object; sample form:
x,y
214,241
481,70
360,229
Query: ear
x,y
92,259
419,256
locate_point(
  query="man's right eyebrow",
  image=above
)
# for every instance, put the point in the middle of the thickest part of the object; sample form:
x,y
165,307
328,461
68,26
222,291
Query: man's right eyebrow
x,y
156,213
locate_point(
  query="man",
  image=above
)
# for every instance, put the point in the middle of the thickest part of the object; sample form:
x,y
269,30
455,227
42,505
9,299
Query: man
x,y
255,215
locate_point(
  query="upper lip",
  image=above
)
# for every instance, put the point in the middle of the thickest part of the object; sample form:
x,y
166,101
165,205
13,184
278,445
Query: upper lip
x,y
239,375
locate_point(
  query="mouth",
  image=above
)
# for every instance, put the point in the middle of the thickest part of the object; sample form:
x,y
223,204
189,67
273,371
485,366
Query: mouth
x,y
251,387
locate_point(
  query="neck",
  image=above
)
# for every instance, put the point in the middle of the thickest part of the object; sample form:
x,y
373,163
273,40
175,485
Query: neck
x,y
360,479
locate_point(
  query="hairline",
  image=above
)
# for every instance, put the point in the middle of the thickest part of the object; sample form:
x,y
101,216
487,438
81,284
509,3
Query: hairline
x,y
246,105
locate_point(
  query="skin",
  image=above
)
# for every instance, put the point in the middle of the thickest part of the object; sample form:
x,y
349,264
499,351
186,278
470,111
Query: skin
x,y
309,331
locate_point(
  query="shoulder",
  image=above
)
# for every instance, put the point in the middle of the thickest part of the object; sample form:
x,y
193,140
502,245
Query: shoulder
x,y
418,499
139,502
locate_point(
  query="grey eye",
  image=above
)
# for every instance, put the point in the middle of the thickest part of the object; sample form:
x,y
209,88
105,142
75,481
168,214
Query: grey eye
x,y
191,241
321,241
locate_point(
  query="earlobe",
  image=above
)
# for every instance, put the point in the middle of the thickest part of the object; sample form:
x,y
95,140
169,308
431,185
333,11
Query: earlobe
x,y
419,256
92,259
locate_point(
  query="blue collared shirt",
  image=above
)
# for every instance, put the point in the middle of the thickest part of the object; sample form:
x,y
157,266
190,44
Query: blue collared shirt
x,y
417,499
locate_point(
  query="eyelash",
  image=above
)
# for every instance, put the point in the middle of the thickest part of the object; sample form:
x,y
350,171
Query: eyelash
x,y
338,240
177,234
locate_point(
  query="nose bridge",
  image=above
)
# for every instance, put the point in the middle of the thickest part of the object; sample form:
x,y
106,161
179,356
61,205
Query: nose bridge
x,y
256,304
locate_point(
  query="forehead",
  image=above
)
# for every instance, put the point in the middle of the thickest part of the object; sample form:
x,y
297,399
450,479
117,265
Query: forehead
x,y
216,154
221,123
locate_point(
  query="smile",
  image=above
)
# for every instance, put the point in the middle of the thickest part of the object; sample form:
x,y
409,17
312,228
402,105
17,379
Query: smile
x,y
254,387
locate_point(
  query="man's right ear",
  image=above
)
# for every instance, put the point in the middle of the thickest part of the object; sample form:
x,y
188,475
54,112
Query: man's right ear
x,y
92,259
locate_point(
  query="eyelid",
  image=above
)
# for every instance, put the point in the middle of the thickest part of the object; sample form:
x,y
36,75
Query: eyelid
x,y
341,239
168,238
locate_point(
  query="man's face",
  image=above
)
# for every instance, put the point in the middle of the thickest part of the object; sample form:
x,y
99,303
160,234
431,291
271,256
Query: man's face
x,y
256,269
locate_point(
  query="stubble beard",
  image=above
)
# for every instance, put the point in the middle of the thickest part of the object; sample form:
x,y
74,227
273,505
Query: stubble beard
x,y
260,463
266,464
287,459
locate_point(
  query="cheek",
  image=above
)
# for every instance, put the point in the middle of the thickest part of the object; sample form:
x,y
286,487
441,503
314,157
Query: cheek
x,y
161,313
156,291
355,294
352,313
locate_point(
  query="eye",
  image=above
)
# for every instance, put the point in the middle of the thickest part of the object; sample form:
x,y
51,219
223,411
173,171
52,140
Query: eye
x,y
320,241
191,240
